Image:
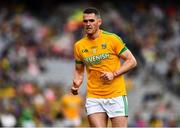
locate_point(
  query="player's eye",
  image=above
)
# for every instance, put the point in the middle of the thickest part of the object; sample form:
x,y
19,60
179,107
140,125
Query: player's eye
x,y
85,21
91,20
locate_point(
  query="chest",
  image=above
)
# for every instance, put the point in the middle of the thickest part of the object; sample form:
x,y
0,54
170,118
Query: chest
x,y
96,49
96,53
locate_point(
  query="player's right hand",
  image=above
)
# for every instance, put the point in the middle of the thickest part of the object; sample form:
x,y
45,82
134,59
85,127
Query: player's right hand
x,y
74,90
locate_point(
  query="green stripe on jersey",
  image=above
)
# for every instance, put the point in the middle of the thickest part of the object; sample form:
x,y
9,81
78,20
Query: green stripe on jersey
x,y
109,33
124,49
78,62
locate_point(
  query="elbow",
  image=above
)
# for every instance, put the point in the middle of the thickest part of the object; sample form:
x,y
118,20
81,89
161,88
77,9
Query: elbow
x,y
134,63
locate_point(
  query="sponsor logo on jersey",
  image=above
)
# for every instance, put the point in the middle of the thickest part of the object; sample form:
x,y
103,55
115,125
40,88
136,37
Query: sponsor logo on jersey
x,y
96,59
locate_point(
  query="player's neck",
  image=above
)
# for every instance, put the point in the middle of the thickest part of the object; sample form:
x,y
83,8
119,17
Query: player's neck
x,y
95,35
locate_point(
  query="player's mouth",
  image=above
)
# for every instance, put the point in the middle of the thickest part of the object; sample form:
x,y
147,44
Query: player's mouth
x,y
89,29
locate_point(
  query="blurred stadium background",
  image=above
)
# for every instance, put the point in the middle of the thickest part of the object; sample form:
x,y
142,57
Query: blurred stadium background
x,y
36,58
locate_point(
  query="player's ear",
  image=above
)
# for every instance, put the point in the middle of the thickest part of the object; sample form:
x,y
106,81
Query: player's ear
x,y
99,21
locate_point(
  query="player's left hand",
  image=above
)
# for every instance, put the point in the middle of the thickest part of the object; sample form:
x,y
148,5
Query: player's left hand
x,y
107,76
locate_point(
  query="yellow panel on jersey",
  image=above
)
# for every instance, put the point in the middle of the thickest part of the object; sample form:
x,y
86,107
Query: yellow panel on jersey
x,y
101,54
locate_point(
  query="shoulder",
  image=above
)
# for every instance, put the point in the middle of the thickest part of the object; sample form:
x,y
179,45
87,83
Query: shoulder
x,y
112,36
109,34
80,42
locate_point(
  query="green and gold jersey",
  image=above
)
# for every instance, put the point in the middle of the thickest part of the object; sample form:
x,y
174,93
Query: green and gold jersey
x,y
101,54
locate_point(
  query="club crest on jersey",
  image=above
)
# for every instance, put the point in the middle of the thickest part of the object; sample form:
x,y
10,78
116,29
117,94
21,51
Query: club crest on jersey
x,y
103,46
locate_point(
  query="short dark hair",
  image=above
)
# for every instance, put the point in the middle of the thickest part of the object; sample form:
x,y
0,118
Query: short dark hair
x,y
92,10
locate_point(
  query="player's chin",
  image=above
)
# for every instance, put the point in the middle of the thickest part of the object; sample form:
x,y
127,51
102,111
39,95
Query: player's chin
x,y
89,33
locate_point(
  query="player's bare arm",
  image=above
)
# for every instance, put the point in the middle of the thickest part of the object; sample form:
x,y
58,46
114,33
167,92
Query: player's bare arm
x,y
129,63
78,78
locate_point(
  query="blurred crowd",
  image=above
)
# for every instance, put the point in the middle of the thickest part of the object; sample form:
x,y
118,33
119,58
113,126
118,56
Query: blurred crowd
x,y
151,31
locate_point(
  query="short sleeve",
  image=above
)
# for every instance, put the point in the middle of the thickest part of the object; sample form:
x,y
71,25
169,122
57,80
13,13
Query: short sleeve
x,y
77,56
118,45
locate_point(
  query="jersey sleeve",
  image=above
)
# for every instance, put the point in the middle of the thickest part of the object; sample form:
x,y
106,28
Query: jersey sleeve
x,y
77,56
118,45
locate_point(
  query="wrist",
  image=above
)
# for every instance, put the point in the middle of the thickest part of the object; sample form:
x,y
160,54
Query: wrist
x,y
115,74
74,88
75,85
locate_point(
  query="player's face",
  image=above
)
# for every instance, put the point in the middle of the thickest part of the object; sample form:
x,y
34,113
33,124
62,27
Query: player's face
x,y
91,23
